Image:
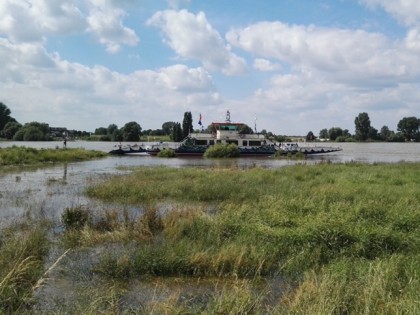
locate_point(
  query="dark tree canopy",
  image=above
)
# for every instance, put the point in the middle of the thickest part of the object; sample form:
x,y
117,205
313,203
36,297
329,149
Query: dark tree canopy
x,y
410,128
168,127
187,124
362,124
5,116
177,134
10,129
131,131
310,136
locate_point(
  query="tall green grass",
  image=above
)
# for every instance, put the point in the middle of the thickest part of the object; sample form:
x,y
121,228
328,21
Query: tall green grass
x,y
25,156
22,252
347,234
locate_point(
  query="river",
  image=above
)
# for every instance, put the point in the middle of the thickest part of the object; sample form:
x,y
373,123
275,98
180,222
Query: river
x,y
47,190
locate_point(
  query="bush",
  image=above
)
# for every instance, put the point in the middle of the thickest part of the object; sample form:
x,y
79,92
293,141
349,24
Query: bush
x,y
222,151
75,218
168,153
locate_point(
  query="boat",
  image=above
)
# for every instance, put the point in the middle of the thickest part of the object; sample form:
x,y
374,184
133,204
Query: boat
x,y
286,148
196,143
128,150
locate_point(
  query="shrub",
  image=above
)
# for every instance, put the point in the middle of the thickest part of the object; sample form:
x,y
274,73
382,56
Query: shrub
x,y
75,218
168,153
222,151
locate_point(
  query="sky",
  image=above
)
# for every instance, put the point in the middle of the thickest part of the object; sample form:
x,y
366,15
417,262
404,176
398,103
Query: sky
x,y
286,66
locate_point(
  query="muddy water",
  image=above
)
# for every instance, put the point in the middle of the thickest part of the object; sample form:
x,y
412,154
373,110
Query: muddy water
x,y
31,193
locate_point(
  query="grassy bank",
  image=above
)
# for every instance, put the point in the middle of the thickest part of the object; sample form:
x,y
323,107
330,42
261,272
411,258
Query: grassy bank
x,y
27,156
345,238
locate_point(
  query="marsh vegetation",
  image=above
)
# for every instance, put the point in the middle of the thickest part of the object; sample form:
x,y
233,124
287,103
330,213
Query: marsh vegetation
x,y
341,238
26,156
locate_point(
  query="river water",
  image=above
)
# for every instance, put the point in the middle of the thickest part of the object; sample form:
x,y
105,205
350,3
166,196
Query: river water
x,y
49,190
32,193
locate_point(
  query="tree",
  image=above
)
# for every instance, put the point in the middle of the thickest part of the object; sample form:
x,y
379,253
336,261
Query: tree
x,y
245,129
410,128
177,134
168,127
310,136
187,124
33,131
323,134
131,131
101,131
334,133
362,124
385,134
111,129
5,116
10,129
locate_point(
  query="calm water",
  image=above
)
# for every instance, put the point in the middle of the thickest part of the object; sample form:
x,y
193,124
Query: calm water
x,y
44,192
47,191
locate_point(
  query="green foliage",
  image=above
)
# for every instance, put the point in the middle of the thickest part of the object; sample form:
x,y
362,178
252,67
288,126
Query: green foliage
x,y
222,151
75,218
187,124
362,126
167,153
131,131
177,134
10,129
410,128
23,155
21,265
5,116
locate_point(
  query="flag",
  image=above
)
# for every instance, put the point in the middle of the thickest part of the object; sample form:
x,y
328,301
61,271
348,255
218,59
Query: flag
x,y
199,120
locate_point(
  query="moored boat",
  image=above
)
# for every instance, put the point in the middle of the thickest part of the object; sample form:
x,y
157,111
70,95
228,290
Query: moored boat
x,y
128,150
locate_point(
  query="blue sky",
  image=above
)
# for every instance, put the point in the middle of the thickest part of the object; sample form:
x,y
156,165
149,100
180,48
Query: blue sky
x,y
296,65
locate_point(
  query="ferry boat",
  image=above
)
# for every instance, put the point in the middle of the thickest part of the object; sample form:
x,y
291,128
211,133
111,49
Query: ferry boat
x,y
196,143
128,150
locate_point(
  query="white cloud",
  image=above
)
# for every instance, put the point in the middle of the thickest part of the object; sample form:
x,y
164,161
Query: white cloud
x,y
350,56
406,11
191,36
266,65
39,84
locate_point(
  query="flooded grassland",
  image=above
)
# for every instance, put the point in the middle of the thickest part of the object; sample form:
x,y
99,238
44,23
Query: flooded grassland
x,y
302,239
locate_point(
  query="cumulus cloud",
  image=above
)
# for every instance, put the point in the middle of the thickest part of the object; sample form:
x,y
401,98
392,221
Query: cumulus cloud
x,y
34,20
342,54
406,11
266,65
82,94
191,36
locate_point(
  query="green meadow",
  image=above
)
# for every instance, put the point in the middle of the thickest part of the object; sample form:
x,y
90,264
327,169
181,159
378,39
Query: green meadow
x,y
343,238
28,156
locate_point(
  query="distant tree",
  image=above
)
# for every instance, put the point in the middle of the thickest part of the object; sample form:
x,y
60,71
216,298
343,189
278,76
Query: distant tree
x,y
310,136
167,127
116,135
33,131
10,129
385,134
362,124
334,133
111,129
410,128
373,134
187,124
177,134
5,116
323,134
245,129
131,131
263,132
101,131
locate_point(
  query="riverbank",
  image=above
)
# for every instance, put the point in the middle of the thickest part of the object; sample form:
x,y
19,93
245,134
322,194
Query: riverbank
x,y
343,238
19,156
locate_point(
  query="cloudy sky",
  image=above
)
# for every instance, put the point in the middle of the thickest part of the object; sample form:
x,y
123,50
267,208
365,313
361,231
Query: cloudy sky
x,y
294,65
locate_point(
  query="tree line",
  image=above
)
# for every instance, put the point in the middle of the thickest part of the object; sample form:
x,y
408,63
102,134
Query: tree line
x,y
408,129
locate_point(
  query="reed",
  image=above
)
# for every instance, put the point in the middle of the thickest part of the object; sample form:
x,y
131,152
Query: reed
x,y
26,156
22,251
343,228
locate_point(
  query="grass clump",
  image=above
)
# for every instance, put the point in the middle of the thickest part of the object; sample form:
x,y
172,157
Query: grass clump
x,y
166,153
222,151
26,156
346,236
22,253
